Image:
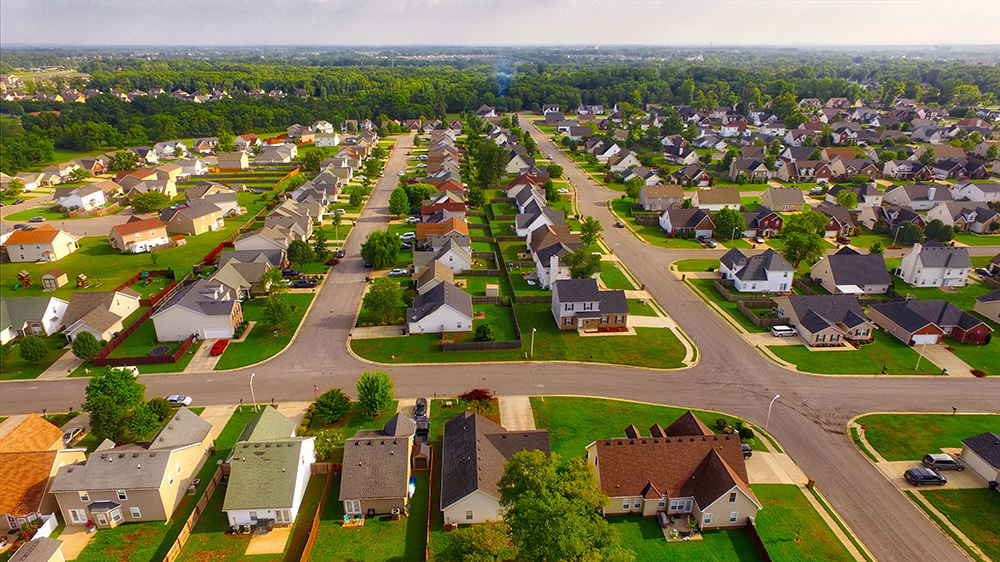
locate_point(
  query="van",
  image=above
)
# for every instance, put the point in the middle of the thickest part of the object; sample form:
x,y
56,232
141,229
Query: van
x,y
781,331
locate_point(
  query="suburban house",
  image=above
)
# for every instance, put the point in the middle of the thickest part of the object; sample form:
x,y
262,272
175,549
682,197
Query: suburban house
x,y
578,304
192,167
548,244
139,235
762,222
31,316
444,308
450,228
44,243
233,161
768,272
867,195
919,197
474,451
536,215
30,455
244,278
452,254
87,197
269,468
893,215
683,471
40,549
645,175
277,154
976,192
623,161
839,223
221,195
849,272
692,176
430,276
660,197
197,218
717,198
989,305
783,199
753,168
247,142
927,322
696,220
376,469
99,313
273,258
935,265
136,481
207,309
981,453
978,218
824,320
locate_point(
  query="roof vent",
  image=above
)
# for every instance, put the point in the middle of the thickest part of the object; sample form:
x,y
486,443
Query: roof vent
x,y
104,456
151,455
135,455
170,427
267,445
121,455
656,440
138,466
256,445
704,439
69,470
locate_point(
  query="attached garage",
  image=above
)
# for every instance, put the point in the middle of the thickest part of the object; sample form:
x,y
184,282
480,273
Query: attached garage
x,y
218,333
930,339
982,454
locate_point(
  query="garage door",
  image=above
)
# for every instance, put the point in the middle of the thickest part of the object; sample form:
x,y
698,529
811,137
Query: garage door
x,y
925,338
218,333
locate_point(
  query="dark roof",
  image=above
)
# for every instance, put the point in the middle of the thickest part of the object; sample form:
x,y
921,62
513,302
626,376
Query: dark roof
x,y
272,257
210,298
263,473
577,290
752,218
688,218
756,267
987,446
686,425
841,213
435,298
852,268
396,426
375,467
733,257
992,296
934,254
822,311
912,315
474,451
613,302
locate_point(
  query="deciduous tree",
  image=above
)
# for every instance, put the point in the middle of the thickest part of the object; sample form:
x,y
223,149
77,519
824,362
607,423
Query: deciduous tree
x,y
277,313
399,204
86,346
633,188
380,249
375,392
384,299
32,349
590,230
149,202
300,253
802,235
582,263
332,405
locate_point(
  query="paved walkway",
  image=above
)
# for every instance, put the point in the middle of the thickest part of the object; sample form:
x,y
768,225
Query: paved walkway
x,y
405,406
217,416
377,332
774,468
945,359
635,321
294,411
515,413
74,540
62,367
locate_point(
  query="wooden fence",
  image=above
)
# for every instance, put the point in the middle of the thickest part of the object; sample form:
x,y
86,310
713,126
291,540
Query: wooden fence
x,y
503,200
509,238
314,529
744,306
199,508
475,214
106,361
151,273
158,296
646,219
505,218
484,255
481,238
991,282
487,300
757,543
722,285
481,272
473,226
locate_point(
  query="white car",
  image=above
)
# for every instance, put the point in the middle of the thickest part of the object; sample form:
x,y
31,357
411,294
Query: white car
x,y
408,236
782,331
563,190
401,174
179,400
412,220
397,272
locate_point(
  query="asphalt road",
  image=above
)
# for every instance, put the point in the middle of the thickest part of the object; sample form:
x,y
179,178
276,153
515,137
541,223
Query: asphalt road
x,y
808,420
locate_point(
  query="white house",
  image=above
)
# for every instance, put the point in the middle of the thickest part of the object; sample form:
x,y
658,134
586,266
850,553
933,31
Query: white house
x,y
535,216
768,272
192,166
920,197
86,197
445,308
168,149
934,265
31,316
977,192
206,309
717,198
326,139
452,254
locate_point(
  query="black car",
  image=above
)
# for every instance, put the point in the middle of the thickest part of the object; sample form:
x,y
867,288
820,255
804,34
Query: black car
x,y
415,211
340,254
303,284
368,265
291,273
985,272
19,201
920,476
421,408
406,246
20,226
747,451
619,224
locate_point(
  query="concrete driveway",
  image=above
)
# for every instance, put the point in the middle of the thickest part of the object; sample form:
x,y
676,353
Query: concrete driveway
x,y
963,479
774,468
515,413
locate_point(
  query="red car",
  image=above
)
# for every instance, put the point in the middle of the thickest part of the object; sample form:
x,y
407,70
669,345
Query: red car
x,y
219,347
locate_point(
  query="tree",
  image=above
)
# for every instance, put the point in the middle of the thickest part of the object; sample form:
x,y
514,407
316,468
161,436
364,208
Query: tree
x,y
124,161
908,233
319,242
555,171
590,230
477,197
86,346
816,154
993,152
877,247
418,192
399,204
327,443
312,159
742,178
32,349
380,249
375,392
886,156
938,230
277,311
384,299
332,405
142,421
14,188
106,418
335,220
802,235
633,188
274,280
488,542
551,192
300,253
6,350
553,510
225,142
78,175
729,223
928,156
484,333
149,202
111,397
357,198
847,198
160,407
582,264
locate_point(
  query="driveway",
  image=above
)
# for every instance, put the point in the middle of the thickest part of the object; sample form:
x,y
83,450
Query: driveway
x,y
774,468
956,479
515,413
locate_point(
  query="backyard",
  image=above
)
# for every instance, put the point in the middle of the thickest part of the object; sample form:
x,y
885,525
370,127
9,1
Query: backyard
x,y
262,342
697,264
902,437
645,538
887,351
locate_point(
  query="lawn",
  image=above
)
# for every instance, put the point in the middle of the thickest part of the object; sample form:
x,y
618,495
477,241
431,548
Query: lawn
x,y
887,351
707,288
977,240
141,342
15,368
778,244
644,537
638,307
551,344
965,298
791,529
498,317
975,512
350,423
476,286
902,437
650,233
262,343
519,282
866,238
573,423
697,264
982,357
614,276
62,419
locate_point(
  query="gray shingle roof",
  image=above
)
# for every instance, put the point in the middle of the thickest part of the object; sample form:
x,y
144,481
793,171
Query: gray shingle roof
x,y
613,302
17,311
756,267
852,268
933,254
577,290
786,195
821,311
203,296
374,468
987,446
992,296
272,257
263,474
441,295
37,550
914,314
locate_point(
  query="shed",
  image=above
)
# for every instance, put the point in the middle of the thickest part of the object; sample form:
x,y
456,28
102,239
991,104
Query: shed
x,y
492,290
421,456
54,279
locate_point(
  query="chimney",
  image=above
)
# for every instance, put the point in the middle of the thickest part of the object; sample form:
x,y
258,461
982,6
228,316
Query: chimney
x,y
930,193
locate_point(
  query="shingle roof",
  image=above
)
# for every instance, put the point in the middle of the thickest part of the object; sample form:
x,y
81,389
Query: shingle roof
x,y
821,311
441,295
263,474
204,297
841,213
852,268
19,310
987,446
689,218
44,234
718,195
374,468
613,302
668,190
577,290
992,296
33,434
786,195
756,267
686,425
933,254
37,550
266,425
138,224
25,475
272,257
914,314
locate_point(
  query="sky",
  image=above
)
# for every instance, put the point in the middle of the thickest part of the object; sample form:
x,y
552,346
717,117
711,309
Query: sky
x,y
497,22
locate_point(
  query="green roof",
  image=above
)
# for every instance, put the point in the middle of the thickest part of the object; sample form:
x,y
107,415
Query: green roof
x,y
263,474
266,425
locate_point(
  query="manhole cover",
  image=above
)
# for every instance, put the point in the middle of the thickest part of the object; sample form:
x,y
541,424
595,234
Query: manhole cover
x,y
159,350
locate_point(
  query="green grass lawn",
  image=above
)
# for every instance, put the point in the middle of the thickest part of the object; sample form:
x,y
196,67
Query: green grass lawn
x,y
791,529
740,243
902,437
707,288
897,357
62,419
778,244
964,298
141,342
650,233
510,250
971,239
476,286
573,423
520,284
498,317
644,537
975,512
15,368
261,343
697,264
551,344
614,276
637,307
866,238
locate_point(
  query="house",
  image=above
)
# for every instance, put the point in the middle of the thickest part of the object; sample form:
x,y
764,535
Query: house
x,y
197,218
269,470
169,149
849,272
934,265
683,470
893,215
680,155
691,176
100,313
146,154
606,150
247,142
207,309
526,194
474,451
376,469
451,253
262,240
578,304
536,215
41,549
191,167
805,171
170,172
976,192
486,111
139,235
87,197
989,305
273,258
696,220
825,320
30,454
277,154
867,195
428,277
42,244
244,278
916,322
919,197
222,196
645,175
444,308
981,453
135,482
63,169
449,228
717,198
623,161
905,170
768,272
233,161
548,244
31,316
970,217
762,222
753,168
840,223
95,165
783,198
660,197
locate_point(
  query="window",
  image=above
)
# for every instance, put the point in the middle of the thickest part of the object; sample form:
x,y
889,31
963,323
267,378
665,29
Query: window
x,y
116,515
619,319
77,515
567,307
604,319
588,306
122,495
85,496
170,479
732,497
820,338
662,503
625,503
569,320
708,518
734,516
253,515
638,503
178,467
352,506
468,515
136,514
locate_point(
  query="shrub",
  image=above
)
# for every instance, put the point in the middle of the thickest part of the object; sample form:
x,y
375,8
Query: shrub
x,y
160,407
85,346
484,333
33,349
477,395
332,405
721,423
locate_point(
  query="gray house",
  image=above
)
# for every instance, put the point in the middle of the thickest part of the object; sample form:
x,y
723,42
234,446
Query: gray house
x,y
852,273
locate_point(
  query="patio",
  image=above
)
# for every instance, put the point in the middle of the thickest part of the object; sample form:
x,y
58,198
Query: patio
x,y
678,528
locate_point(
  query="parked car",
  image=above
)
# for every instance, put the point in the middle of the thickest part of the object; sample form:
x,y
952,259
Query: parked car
x,y
19,201
179,400
218,347
412,220
781,331
303,284
401,173
816,191
619,224
408,236
406,246
71,434
758,239
941,461
710,243
747,451
563,190
920,476
415,211
291,273
368,265
36,219
421,408
20,226
985,272
843,240
340,253
398,272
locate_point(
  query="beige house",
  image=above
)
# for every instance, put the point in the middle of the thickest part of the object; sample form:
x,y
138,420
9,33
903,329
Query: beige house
x,y
137,481
377,469
826,320
44,243
42,549
660,197
853,273
139,235
100,313
783,199
169,171
206,309
233,161
989,305
198,218
432,275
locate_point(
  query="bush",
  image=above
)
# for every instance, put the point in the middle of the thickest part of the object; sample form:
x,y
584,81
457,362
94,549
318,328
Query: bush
x,y
332,405
484,333
85,346
721,423
477,395
160,407
33,349
327,443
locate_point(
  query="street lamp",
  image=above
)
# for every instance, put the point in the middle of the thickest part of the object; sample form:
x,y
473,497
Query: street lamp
x,y
252,395
533,330
776,396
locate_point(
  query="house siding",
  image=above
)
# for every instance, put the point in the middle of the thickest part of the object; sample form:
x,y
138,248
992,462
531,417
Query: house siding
x,y
484,508
177,324
444,319
721,508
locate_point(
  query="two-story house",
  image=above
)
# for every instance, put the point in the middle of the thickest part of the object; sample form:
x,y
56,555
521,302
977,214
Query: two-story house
x,y
935,265
849,272
206,309
139,235
660,197
767,272
578,304
42,244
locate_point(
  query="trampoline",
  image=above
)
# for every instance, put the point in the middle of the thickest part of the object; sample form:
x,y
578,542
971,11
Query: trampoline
x,y
159,350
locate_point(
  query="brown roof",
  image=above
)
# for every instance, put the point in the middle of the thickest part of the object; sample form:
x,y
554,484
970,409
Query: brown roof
x,y
136,224
664,190
24,477
32,435
687,424
44,234
426,229
844,153
448,185
436,270
719,194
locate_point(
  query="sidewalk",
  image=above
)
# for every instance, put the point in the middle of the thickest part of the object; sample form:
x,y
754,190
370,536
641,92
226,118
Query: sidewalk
x,y
515,413
62,367
774,468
